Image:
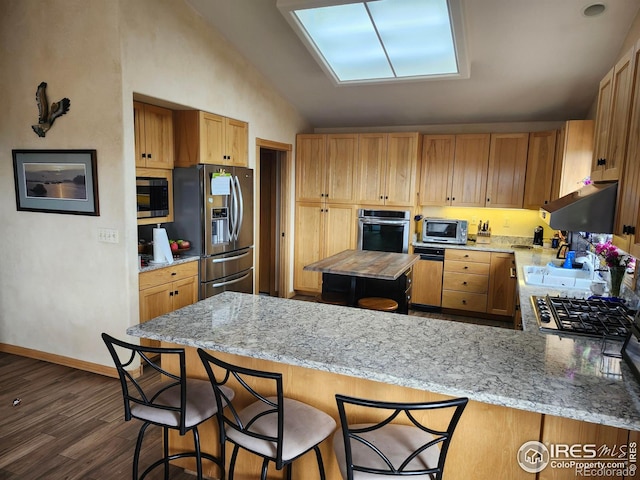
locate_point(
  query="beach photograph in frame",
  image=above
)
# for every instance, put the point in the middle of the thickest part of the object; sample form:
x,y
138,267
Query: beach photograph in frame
x,y
56,181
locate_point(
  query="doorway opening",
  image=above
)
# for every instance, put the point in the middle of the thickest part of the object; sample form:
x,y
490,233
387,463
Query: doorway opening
x,y
272,242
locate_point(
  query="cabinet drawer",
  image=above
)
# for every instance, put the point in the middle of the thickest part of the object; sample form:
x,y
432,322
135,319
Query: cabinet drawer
x,y
475,302
465,282
467,255
467,267
167,274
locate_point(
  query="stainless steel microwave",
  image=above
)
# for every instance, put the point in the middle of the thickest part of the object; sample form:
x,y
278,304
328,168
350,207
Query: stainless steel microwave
x,y
441,230
152,196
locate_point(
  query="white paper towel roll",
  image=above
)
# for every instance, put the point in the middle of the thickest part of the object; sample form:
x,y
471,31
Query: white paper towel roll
x,y
161,249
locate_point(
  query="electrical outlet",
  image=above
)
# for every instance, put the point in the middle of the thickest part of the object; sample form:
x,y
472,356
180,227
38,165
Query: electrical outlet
x,y
507,222
108,235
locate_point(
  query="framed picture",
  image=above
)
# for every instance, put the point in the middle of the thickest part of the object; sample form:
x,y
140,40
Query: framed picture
x,y
56,181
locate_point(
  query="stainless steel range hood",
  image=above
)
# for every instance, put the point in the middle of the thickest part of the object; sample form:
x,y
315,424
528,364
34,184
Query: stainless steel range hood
x,y
590,209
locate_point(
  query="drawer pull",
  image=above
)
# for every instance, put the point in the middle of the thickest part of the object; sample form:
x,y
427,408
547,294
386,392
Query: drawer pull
x,y
512,272
174,273
464,302
466,266
464,283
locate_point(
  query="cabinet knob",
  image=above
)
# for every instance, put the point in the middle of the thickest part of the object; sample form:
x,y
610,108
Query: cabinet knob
x,y
144,155
453,199
175,292
464,283
174,273
171,294
488,200
466,267
448,199
148,155
464,302
386,197
380,197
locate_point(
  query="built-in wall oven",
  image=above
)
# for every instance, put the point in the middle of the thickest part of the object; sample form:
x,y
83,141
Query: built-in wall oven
x,y
384,230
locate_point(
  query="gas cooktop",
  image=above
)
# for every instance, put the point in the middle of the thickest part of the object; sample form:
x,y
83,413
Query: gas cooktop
x,y
594,317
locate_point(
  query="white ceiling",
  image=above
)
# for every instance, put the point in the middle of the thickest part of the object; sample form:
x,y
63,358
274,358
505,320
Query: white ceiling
x,y
530,60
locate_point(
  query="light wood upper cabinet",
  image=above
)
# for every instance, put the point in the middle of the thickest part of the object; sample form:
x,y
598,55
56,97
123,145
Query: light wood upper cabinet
x,y
539,178
507,167
325,168
340,168
627,224
206,138
612,120
436,170
321,231
574,150
310,167
387,168
153,128
470,168
372,158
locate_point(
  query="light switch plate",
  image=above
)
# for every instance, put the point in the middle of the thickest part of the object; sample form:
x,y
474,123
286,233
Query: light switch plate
x,y
108,235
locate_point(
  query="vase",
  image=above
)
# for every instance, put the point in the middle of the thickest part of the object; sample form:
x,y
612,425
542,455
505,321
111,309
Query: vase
x,y
616,274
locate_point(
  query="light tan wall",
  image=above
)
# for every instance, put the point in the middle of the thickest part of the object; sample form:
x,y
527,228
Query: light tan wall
x,y
59,286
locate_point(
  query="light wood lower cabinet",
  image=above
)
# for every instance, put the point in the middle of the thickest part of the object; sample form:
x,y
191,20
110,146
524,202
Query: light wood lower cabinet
x,y
466,280
502,285
165,290
478,281
427,283
484,447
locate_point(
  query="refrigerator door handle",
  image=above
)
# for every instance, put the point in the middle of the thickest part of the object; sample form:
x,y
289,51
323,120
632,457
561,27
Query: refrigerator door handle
x,y
235,280
233,230
229,259
241,204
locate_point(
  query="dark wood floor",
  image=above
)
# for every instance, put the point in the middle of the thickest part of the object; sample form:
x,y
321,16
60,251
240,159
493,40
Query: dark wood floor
x,y
68,425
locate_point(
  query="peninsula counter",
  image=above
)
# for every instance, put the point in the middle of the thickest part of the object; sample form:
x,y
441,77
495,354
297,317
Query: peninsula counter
x,y
522,385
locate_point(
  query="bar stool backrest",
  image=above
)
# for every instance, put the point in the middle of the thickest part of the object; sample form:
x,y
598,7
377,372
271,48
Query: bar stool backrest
x,y
137,394
374,440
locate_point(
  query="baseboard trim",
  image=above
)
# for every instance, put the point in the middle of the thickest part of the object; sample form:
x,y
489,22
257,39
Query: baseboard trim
x,y
60,360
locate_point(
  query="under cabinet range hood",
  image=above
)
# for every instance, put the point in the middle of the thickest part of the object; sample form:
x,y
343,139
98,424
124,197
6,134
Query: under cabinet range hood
x,y
589,209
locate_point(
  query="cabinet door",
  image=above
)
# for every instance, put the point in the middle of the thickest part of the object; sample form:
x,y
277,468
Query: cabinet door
x,y
502,285
185,292
155,301
340,229
308,245
574,151
470,170
618,129
507,167
236,143
372,156
436,170
401,167
211,139
537,189
310,167
342,155
138,126
603,118
158,137
427,283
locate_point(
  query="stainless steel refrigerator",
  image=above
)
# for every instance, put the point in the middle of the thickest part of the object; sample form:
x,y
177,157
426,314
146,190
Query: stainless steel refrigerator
x,y
213,209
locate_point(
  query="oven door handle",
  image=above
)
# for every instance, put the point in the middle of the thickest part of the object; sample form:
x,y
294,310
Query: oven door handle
x,y
384,222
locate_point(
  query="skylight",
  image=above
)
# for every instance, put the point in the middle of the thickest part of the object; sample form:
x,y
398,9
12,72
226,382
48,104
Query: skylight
x,y
381,40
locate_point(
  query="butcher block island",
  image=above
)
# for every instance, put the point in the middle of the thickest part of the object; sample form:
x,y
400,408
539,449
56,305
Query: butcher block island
x,y
522,385
366,273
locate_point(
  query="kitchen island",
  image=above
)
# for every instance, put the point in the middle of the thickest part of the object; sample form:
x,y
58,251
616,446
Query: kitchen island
x,y
522,386
367,273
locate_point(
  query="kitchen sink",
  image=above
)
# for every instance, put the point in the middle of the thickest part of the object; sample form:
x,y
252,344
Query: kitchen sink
x,y
559,277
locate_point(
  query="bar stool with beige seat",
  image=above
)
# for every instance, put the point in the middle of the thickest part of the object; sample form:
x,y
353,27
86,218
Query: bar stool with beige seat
x,y
378,303
265,423
391,439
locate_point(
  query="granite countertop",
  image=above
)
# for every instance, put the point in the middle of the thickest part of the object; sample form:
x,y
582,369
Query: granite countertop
x,y
525,370
365,263
176,261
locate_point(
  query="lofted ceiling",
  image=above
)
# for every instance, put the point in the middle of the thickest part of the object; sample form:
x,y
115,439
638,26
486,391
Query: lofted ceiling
x,y
539,60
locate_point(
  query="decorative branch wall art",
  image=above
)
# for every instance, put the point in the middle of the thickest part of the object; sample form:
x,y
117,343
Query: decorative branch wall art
x,y
46,115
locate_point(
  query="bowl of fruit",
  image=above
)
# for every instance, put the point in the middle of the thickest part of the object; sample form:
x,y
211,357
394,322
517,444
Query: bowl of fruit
x,y
179,246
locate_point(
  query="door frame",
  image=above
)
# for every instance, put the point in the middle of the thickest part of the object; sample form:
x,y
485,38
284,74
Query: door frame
x,y
284,284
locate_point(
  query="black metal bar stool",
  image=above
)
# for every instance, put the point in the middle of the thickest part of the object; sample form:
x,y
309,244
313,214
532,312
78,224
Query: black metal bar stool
x,y
397,446
276,428
178,403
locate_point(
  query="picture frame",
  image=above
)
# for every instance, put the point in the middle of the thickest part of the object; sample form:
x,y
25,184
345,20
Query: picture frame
x,y
56,181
